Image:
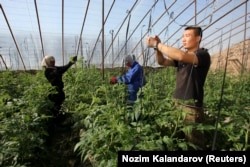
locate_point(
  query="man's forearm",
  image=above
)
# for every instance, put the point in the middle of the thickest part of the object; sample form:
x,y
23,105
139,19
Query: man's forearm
x,y
159,57
177,54
162,60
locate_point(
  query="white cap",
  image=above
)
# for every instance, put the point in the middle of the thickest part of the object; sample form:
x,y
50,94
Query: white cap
x,y
129,59
48,61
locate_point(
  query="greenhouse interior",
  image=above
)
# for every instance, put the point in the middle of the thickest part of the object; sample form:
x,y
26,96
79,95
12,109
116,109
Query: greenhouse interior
x,y
84,80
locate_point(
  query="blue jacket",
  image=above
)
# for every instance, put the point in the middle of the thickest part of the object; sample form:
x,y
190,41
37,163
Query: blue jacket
x,y
134,77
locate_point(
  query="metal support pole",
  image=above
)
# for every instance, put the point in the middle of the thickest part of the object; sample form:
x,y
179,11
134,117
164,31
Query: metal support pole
x,y
103,39
38,22
63,32
112,44
20,55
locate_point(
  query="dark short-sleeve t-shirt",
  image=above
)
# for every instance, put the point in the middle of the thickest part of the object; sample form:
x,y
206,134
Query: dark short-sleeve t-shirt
x,y
191,78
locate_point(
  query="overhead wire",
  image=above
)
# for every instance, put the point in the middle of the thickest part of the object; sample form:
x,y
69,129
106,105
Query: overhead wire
x,y
225,32
172,21
198,24
228,12
142,36
118,31
133,31
213,11
137,26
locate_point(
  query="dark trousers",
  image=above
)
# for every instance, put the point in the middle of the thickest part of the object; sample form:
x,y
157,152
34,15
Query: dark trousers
x,y
58,98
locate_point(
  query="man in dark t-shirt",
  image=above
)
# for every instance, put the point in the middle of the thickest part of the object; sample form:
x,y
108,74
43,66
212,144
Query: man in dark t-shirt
x,y
192,68
191,78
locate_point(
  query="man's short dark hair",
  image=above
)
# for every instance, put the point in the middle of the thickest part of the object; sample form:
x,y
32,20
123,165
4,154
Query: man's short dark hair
x,y
197,30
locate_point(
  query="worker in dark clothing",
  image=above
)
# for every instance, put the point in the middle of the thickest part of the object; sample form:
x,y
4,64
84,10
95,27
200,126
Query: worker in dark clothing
x,y
54,76
192,66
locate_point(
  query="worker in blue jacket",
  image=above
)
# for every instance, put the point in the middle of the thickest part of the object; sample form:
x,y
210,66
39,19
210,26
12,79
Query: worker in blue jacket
x,y
134,78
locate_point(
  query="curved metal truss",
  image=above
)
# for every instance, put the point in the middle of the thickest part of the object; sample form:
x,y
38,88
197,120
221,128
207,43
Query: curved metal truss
x,y
102,32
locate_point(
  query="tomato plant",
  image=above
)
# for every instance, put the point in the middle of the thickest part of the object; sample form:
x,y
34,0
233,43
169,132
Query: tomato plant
x,y
103,124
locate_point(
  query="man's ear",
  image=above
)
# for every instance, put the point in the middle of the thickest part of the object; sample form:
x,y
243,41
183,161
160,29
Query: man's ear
x,y
198,38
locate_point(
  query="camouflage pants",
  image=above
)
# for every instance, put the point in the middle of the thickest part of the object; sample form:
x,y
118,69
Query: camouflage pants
x,y
194,115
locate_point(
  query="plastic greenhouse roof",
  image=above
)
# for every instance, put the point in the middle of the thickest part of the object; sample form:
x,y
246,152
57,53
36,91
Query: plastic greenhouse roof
x,y
104,31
